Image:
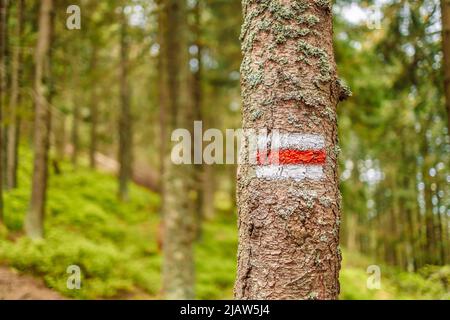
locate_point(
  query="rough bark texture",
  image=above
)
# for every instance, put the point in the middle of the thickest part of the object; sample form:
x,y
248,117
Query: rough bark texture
x,y
14,127
445,9
125,137
289,230
179,220
34,222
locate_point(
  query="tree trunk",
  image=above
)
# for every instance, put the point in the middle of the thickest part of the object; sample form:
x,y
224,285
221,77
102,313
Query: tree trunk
x,y
440,236
289,210
163,108
75,137
59,136
162,91
94,110
34,223
5,82
198,116
429,219
125,138
445,10
14,128
209,188
2,92
179,220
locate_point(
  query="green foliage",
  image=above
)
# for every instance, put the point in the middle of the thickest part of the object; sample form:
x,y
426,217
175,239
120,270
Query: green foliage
x,y
114,244
395,283
216,260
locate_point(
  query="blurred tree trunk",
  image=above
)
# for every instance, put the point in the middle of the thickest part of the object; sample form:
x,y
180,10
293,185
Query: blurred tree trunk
x,y
59,136
163,107
289,229
440,229
352,227
430,240
6,111
446,236
34,222
94,108
2,93
198,116
125,137
445,10
209,187
179,220
16,77
75,136
162,90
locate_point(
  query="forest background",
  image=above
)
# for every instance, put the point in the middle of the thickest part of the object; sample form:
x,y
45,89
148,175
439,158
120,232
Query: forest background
x,y
103,205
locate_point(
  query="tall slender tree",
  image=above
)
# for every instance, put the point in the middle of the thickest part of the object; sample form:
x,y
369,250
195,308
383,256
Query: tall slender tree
x,y
94,108
289,210
197,100
76,114
179,219
15,100
125,135
5,82
2,93
34,222
445,12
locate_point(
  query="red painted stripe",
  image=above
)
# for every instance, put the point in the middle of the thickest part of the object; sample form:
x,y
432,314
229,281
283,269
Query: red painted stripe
x,y
289,156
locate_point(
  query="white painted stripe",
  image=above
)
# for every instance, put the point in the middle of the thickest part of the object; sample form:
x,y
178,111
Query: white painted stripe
x,y
297,141
296,172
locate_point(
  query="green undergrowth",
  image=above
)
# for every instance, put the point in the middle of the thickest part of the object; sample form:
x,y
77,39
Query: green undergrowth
x,y
115,245
430,282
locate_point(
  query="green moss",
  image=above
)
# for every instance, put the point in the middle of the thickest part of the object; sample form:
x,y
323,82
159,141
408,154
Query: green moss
x,y
114,244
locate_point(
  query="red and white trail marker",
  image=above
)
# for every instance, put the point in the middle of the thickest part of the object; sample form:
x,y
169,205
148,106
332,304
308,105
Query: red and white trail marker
x,y
290,156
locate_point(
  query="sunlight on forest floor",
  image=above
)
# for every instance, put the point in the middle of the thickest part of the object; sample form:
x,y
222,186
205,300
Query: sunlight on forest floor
x,y
115,245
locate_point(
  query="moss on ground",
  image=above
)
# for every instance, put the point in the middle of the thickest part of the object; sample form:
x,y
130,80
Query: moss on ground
x,y
115,245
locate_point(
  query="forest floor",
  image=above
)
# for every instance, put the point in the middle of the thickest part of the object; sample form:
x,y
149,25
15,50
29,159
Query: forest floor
x,y
116,247
15,286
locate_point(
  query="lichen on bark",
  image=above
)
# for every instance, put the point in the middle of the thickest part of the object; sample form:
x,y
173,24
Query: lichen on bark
x,y
288,230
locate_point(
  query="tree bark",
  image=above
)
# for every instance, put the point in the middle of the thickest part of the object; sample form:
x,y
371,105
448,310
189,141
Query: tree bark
x,y
14,128
34,222
445,11
125,138
179,220
289,225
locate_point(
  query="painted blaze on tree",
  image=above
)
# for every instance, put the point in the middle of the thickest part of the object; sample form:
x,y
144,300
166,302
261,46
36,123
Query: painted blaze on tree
x,y
289,212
